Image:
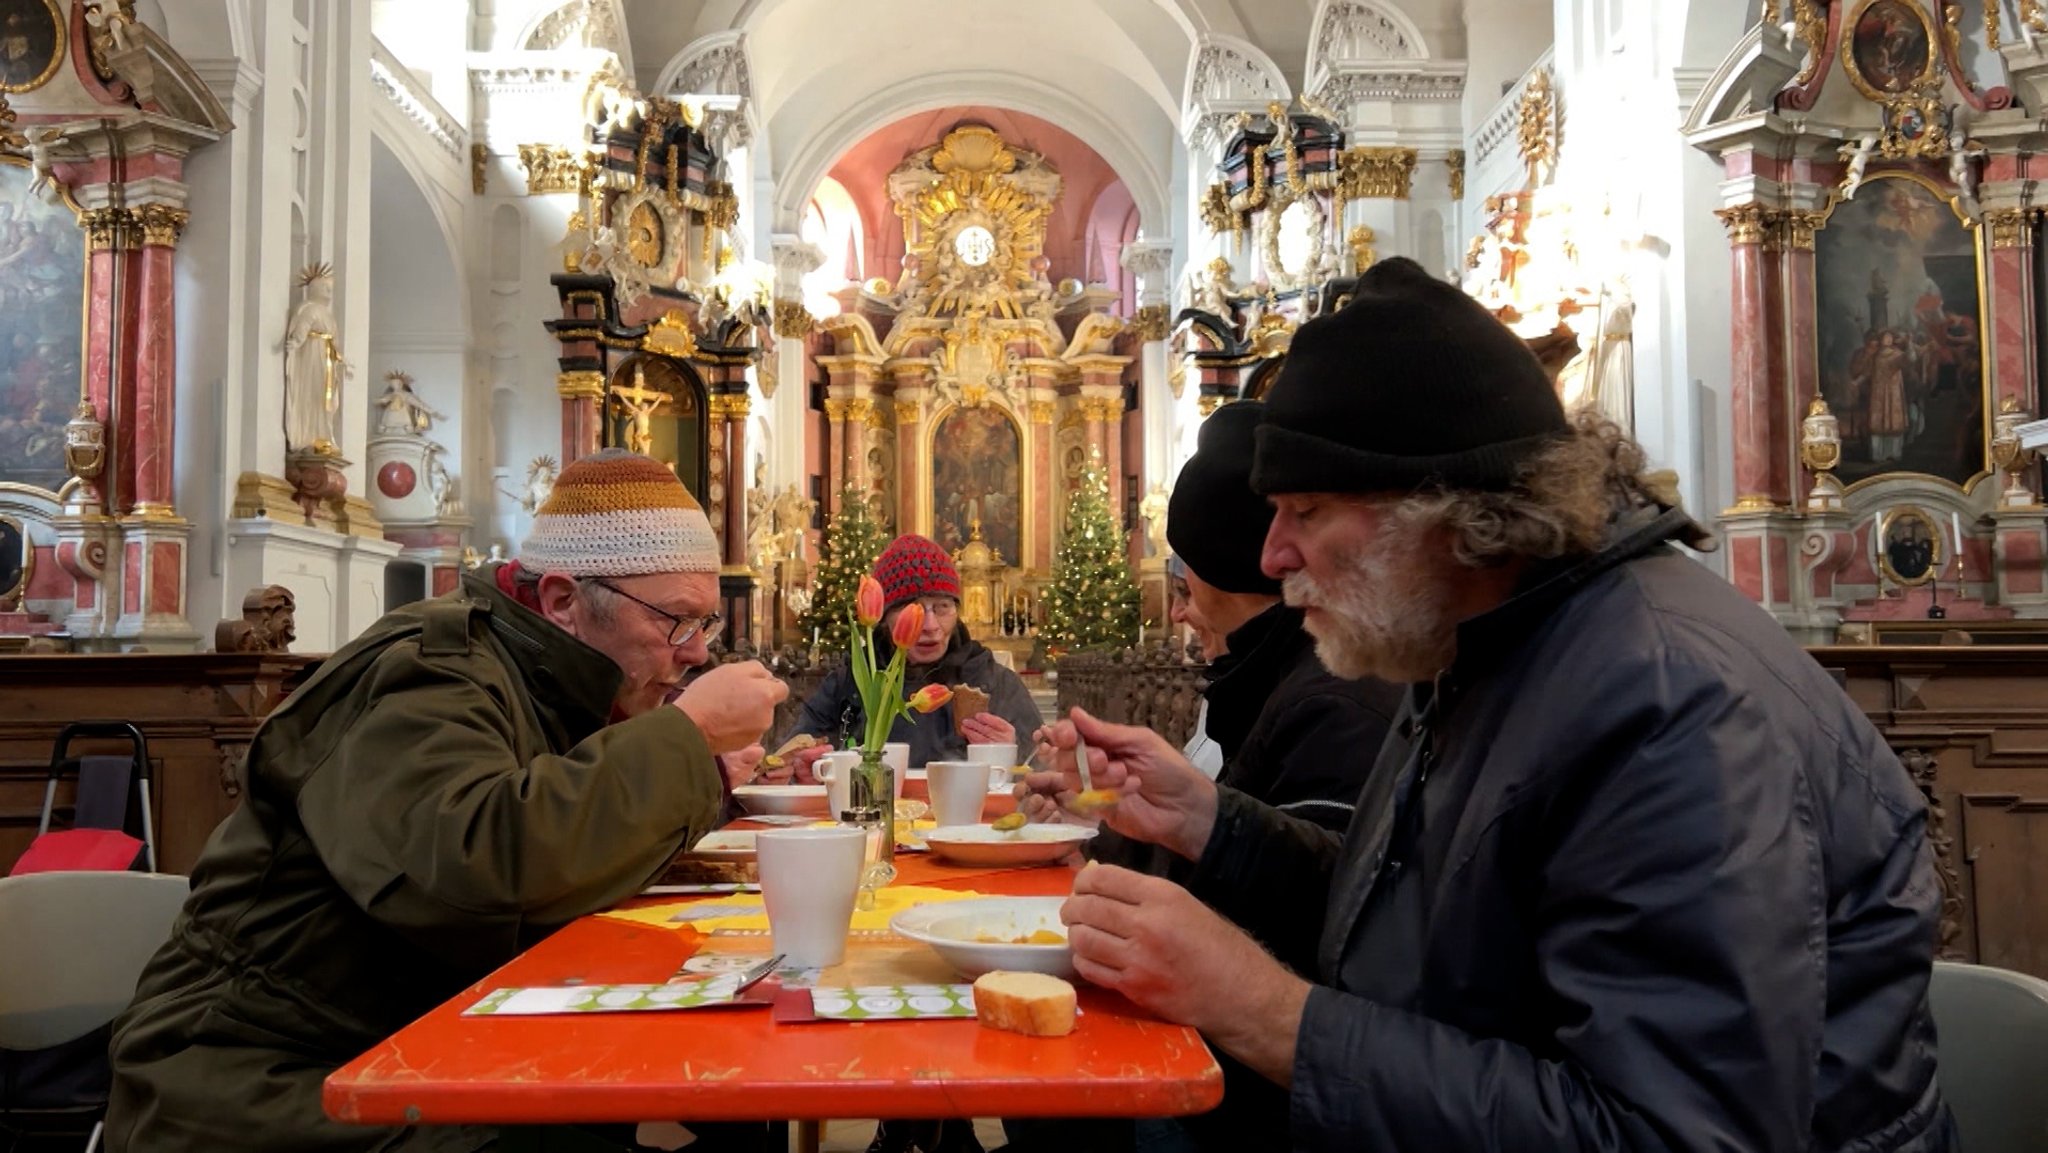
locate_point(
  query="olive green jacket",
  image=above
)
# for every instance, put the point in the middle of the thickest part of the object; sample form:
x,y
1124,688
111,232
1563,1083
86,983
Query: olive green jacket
x,y
441,794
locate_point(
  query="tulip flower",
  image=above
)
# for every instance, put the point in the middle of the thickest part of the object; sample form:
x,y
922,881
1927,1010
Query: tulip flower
x,y
909,624
929,697
867,602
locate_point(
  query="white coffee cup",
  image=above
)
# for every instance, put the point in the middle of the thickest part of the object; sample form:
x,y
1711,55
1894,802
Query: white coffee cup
x,y
836,770
1000,759
958,789
809,878
896,754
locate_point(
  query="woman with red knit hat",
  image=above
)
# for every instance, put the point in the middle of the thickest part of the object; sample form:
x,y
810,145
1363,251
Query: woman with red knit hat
x,y
914,569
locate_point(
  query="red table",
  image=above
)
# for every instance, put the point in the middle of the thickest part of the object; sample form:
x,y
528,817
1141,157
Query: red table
x,y
739,1065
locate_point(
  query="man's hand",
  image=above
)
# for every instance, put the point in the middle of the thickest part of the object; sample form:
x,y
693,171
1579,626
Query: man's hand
x,y
988,729
740,765
733,705
797,768
1152,941
1165,800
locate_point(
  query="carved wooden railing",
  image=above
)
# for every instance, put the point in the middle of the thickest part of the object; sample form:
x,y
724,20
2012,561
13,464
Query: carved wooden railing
x,y
1157,686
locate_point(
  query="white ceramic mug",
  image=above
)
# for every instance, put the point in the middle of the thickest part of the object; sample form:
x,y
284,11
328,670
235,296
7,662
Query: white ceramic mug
x,y
1000,759
958,789
836,771
809,878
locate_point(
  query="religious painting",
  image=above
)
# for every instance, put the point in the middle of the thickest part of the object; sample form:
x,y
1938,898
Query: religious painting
x,y
654,408
1890,48
1899,332
31,43
977,476
1910,551
16,560
42,290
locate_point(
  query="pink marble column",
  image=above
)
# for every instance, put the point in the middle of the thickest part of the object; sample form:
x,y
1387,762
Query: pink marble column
x,y
2010,309
155,345
1800,346
836,477
1044,491
1750,383
911,467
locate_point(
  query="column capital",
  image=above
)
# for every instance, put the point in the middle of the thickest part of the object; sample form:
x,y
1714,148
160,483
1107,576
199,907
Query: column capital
x,y
2009,227
110,228
793,321
162,224
580,385
1745,223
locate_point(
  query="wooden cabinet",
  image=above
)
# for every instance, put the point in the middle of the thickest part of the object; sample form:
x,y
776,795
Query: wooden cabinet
x,y
1971,725
198,712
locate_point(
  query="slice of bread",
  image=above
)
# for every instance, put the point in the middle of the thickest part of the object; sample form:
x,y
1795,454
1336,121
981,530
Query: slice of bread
x,y
968,701
1034,1004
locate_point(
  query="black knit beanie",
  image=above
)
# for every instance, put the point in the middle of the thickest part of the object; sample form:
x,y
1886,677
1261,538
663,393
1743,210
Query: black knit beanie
x,y
1215,522
1410,385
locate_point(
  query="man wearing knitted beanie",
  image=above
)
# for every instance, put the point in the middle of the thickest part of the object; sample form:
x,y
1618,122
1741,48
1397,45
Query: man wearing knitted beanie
x,y
1631,873
469,774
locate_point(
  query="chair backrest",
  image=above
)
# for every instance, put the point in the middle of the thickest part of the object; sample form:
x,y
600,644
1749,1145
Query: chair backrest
x,y
102,800
1992,1026
74,945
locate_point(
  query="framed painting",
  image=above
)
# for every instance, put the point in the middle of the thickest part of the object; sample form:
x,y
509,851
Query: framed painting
x,y
1900,334
1888,48
977,476
42,329
31,44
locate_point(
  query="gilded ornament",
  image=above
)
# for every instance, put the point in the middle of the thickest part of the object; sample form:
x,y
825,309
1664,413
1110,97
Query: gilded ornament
x,y
1820,449
1041,411
108,228
670,335
11,138
1744,222
1811,26
85,444
1375,173
162,224
1455,161
1209,402
1770,17
2031,15
2008,226
861,410
1149,323
908,412
1102,409
728,406
644,235
1360,241
550,169
792,320
479,168
1217,214
1536,127
579,385
835,410
1800,225
1991,25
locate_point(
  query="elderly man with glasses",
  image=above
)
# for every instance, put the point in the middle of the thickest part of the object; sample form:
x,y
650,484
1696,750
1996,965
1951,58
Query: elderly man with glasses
x,y
468,775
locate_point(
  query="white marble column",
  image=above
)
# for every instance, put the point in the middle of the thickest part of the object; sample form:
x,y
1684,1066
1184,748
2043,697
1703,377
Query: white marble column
x,y
1151,261
793,257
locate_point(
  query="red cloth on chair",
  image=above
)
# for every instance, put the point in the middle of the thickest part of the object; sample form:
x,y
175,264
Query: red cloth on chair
x,y
73,850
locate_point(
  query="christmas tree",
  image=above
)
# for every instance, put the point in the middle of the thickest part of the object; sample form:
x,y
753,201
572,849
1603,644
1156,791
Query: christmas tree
x,y
1093,602
852,542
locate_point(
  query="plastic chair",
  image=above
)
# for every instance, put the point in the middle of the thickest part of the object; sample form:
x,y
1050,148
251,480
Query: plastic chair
x,y
76,945
1992,1025
102,784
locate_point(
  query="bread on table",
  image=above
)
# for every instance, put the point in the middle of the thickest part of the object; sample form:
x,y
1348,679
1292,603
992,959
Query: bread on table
x,y
968,701
1034,1004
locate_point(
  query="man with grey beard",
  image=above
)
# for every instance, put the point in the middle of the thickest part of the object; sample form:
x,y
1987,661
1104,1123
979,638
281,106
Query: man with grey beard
x,y
1631,872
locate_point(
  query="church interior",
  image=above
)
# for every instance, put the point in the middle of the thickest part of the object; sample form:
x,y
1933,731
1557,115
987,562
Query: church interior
x,y
305,304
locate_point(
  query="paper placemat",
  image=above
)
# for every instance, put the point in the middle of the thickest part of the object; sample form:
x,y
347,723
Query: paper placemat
x,y
557,999
744,912
891,1002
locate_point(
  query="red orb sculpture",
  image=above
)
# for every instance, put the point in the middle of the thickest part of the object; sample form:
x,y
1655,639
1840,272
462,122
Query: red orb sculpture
x,y
397,480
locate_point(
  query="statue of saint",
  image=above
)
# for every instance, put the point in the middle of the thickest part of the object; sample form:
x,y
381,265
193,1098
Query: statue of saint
x,y
313,367
404,411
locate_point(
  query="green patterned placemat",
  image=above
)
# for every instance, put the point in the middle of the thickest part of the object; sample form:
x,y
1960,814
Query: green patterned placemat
x,y
892,1002
529,1002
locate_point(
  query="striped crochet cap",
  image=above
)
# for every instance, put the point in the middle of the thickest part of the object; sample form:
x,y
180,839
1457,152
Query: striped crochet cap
x,y
912,567
617,513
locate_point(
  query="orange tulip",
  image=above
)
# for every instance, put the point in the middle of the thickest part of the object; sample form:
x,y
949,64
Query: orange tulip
x,y
930,697
909,623
867,602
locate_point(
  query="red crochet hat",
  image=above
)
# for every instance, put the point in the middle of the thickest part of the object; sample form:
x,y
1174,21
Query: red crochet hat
x,y
912,567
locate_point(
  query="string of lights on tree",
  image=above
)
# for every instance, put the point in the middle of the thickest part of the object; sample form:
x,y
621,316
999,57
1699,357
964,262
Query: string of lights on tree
x,y
1093,601
852,541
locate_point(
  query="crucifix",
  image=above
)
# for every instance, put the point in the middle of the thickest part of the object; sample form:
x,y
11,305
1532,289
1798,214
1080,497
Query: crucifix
x,y
639,402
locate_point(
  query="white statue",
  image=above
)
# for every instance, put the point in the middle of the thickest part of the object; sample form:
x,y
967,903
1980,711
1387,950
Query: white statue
x,y
447,501
404,412
540,484
623,108
1962,172
42,147
313,367
1858,155
1603,374
106,16
498,553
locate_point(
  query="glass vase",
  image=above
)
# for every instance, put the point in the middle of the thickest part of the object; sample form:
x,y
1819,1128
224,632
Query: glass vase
x,y
871,804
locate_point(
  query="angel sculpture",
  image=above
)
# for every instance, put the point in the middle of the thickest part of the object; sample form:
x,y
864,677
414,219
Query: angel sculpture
x,y
42,147
540,484
1858,155
106,16
1962,172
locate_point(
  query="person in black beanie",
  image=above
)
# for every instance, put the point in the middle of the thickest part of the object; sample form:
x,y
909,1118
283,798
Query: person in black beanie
x,y
1293,736
1631,872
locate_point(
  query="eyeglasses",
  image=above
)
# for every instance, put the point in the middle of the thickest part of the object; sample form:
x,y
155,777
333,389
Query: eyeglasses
x,y
940,607
682,630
